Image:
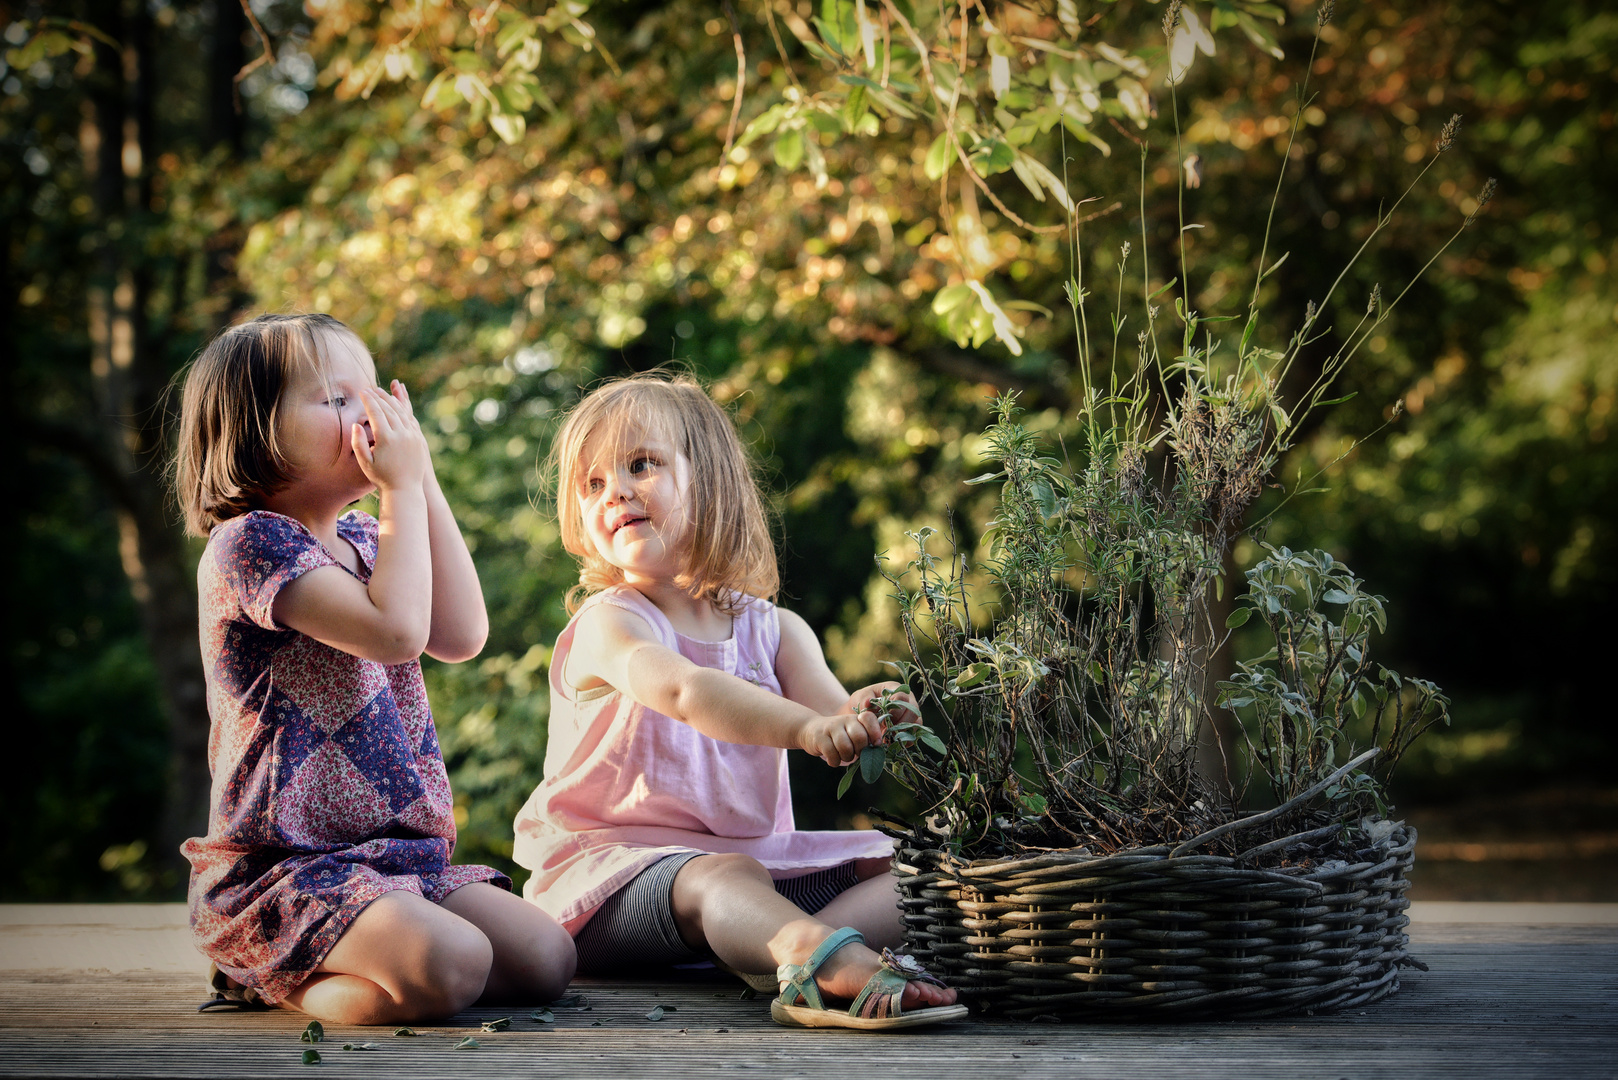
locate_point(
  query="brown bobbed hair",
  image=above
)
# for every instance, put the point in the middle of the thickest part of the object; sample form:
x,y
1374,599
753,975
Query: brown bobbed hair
x,y
730,556
228,456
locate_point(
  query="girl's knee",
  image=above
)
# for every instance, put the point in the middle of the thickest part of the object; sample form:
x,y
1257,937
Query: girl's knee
x,y
452,972
728,866
548,960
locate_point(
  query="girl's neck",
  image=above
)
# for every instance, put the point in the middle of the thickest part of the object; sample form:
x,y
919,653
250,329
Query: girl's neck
x,y
319,516
694,616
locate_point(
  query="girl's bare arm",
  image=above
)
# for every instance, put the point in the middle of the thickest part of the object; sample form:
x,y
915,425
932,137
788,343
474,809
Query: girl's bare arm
x,y
806,678
460,623
388,619
618,648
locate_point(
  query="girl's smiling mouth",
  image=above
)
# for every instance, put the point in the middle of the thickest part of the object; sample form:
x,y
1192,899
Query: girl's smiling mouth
x,y
628,522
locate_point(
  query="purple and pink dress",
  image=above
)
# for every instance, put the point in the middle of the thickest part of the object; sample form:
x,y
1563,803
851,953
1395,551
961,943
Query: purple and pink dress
x,y
626,786
329,787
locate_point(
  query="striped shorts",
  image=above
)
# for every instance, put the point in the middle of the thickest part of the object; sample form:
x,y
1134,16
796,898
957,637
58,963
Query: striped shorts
x,y
635,928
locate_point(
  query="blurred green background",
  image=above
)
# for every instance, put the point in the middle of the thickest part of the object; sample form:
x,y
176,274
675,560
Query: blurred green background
x,y
144,209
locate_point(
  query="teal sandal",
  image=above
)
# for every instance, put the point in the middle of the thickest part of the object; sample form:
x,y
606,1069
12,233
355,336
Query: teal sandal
x,y
876,1008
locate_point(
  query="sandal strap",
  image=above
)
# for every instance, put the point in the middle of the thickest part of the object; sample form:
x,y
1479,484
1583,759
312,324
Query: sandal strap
x,y
881,995
798,980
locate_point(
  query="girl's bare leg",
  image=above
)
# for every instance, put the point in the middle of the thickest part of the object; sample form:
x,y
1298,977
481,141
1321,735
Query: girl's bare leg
x,y
402,960
727,903
533,956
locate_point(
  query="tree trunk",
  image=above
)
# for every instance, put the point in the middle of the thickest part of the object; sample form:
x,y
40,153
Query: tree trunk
x,y
130,378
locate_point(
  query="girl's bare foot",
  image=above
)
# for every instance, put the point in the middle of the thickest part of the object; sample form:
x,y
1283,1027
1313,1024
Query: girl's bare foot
x,y
845,972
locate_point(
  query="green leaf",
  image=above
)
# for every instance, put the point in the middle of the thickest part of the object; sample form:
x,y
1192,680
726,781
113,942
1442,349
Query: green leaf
x,y
933,742
313,1033
985,477
938,157
403,1031
509,126
1173,281
543,1016
973,674
872,758
497,1025
311,1057
764,123
846,782
362,1046
467,1043
656,1013
1335,596
1238,617
950,298
1337,400
992,156
854,108
789,148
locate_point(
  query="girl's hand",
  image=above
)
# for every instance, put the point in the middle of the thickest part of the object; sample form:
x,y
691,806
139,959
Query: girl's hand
x,y
860,701
838,739
393,455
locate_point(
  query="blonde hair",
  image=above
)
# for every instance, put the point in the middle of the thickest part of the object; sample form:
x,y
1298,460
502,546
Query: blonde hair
x,y
730,555
229,457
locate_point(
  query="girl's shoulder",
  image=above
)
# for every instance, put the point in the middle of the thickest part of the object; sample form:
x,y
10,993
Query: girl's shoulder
x,y
259,533
361,530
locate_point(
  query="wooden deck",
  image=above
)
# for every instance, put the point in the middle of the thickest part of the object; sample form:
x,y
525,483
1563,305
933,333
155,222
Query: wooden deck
x,y
1514,990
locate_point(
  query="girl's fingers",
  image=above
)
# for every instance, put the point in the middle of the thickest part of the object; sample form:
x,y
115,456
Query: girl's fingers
x,y
873,726
362,446
376,411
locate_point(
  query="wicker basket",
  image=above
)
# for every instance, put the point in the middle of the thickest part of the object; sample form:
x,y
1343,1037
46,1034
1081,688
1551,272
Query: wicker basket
x,y
1151,934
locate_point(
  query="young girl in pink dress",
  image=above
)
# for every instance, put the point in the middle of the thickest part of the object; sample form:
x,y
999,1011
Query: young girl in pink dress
x,y
662,832
324,882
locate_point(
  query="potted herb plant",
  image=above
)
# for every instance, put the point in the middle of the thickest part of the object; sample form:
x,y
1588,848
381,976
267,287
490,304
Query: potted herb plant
x,y
1071,858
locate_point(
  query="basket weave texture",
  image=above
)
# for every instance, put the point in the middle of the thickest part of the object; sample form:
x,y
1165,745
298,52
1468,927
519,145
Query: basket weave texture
x,y
1142,934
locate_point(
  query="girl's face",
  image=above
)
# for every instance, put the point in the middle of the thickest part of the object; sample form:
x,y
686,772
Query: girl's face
x,y
632,487
318,411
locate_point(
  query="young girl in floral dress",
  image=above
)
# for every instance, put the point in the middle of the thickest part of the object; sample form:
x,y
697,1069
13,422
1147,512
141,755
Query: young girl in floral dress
x,y
324,882
663,830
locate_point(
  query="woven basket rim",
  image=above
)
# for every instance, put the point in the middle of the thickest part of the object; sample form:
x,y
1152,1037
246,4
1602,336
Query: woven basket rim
x,y
1397,839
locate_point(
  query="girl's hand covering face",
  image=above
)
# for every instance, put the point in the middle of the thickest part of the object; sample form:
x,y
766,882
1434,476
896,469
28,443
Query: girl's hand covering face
x,y
391,449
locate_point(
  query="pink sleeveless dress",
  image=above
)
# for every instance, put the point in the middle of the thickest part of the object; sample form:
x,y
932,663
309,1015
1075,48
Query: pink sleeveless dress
x,y
626,786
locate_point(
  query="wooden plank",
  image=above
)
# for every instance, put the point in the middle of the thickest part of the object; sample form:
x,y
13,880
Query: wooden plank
x,y
1536,1008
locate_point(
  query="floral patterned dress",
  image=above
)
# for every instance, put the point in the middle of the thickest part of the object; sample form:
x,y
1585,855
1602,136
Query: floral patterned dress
x,y
329,787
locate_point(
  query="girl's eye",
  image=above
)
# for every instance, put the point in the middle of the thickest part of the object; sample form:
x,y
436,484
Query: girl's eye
x,y
593,485
640,465
339,401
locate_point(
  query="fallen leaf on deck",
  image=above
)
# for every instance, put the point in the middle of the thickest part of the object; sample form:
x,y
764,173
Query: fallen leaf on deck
x,y
656,1013
497,1025
404,1031
467,1043
311,1057
544,1016
313,1033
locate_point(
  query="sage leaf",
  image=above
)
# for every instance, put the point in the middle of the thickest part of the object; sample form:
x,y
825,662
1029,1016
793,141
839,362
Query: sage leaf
x,y
403,1031
313,1033
872,758
656,1013
311,1056
846,782
497,1025
544,1016
467,1043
